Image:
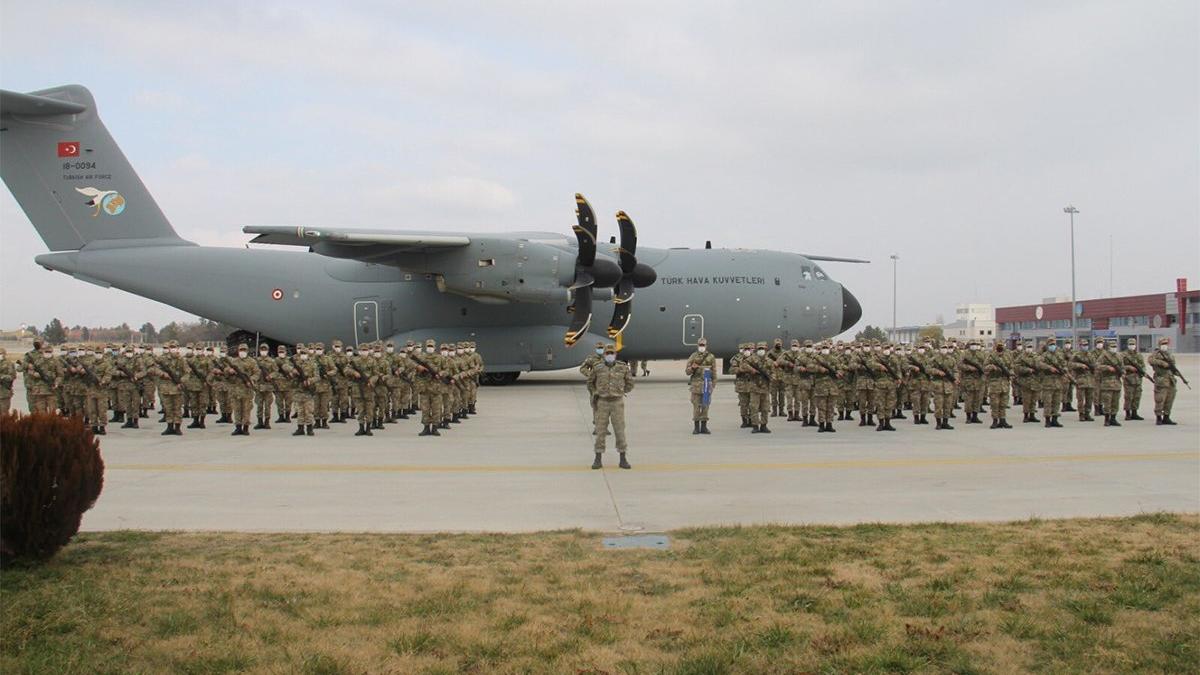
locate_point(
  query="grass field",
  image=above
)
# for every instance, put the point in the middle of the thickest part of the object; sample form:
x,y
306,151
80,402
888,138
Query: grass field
x,y
1112,595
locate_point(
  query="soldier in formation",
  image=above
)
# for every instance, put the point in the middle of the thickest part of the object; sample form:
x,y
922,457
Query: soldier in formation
x,y
379,384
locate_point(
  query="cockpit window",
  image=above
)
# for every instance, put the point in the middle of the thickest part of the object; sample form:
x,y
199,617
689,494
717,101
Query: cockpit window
x,y
806,273
819,273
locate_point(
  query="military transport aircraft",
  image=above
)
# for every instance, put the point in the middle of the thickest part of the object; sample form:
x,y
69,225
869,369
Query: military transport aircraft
x,y
514,293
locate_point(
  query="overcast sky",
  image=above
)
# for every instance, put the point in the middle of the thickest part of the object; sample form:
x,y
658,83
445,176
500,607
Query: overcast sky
x,y
949,133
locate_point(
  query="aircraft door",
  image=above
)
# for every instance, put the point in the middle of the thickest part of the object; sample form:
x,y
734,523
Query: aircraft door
x,y
366,321
693,328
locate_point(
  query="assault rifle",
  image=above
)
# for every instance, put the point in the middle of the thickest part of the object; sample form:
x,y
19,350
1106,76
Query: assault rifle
x,y
122,367
41,373
753,367
1176,373
241,376
420,359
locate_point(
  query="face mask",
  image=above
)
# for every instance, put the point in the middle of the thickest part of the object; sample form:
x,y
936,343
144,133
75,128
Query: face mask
x,y
445,353
762,352
49,354
429,350
795,349
886,352
920,351
391,350
282,355
242,355
610,359
1131,348
1052,348
337,350
304,357
1102,347
600,352
974,348
1020,348
264,353
72,353
1163,348
701,349
745,352
824,351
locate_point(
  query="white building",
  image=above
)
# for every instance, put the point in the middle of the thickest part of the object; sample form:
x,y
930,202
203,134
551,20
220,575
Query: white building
x,y
972,321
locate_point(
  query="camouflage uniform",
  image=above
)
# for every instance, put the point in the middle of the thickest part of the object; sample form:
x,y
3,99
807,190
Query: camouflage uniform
x,y
886,371
428,380
998,370
701,362
381,368
1109,369
97,378
920,385
358,372
741,381
1053,368
323,389
128,375
585,369
477,364
859,364
1082,366
341,384
805,381
170,369
970,374
778,387
242,381
264,389
757,367
612,381
1164,367
147,386
941,368
285,386
195,386
302,370
1025,368
826,374
8,375
396,364
1135,369
41,373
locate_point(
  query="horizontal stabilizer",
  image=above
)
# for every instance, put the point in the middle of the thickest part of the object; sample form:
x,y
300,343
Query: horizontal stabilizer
x,y
827,258
30,105
302,236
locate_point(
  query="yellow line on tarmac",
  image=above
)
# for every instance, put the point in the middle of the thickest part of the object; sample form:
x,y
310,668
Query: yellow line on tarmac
x,y
911,462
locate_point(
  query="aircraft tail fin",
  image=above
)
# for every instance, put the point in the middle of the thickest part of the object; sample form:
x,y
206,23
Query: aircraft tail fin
x,y
69,176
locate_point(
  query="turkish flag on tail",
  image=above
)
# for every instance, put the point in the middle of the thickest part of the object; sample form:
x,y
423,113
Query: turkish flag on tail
x,y
68,148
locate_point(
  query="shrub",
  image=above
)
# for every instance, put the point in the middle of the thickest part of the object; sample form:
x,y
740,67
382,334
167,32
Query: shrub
x,y
50,473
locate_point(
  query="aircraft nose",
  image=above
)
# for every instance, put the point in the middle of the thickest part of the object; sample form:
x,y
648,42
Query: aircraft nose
x,y
851,310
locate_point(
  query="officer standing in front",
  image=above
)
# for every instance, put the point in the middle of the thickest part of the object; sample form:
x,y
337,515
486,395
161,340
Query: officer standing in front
x,y
611,381
702,381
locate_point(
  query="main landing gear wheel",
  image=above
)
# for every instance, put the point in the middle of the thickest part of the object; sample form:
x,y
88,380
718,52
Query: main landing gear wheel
x,y
499,379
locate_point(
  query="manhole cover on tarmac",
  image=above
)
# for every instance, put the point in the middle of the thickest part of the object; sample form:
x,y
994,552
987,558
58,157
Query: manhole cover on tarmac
x,y
658,541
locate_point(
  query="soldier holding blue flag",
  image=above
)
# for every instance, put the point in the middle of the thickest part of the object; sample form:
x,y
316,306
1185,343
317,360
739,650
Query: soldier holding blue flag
x,y
702,378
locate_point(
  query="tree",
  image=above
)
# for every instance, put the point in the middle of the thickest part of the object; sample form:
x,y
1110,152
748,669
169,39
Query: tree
x,y
148,332
54,332
85,333
871,333
169,332
931,333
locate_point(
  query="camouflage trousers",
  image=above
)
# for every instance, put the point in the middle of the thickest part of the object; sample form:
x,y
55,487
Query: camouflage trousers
x,y
362,398
804,399
1133,397
341,397
778,394
95,407
380,394
1029,396
1110,400
1164,398
611,410
196,401
241,404
865,397
760,407
824,401
5,400
39,401
744,404
885,400
919,391
283,403
699,410
431,405
944,398
263,399
146,395
172,407
972,390
395,400
1086,398
1052,398
129,399
302,399
322,400
998,399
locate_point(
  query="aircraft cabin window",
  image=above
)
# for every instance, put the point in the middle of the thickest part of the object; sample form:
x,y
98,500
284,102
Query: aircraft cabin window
x,y
776,281
806,273
487,262
819,273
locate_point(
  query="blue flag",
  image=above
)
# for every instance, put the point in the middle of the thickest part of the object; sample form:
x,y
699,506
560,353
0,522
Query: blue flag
x,y
706,392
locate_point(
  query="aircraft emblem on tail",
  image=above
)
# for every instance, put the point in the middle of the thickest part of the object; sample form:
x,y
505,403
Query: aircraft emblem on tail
x,y
109,201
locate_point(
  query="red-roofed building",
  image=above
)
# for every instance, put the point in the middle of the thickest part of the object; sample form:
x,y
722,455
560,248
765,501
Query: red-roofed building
x,y
1144,317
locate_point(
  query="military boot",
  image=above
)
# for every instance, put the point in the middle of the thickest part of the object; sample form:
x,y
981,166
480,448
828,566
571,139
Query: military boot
x,y
596,463
1056,423
995,423
1067,407
167,431
259,424
821,427
195,423
887,426
224,418
704,427
162,417
754,429
1113,417
129,423
946,423
763,429
862,419
299,430
309,430
899,415
829,427
745,422
362,430
695,427
471,409
624,463
1135,416
177,431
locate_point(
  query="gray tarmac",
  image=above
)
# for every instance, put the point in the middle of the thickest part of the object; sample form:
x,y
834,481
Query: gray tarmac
x,y
522,465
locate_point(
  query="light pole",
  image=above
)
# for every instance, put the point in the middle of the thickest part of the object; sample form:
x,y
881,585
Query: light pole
x,y
1070,210
894,259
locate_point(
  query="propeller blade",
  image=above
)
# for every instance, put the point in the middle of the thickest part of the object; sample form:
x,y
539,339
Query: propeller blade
x,y
581,316
585,231
622,313
628,249
624,291
582,279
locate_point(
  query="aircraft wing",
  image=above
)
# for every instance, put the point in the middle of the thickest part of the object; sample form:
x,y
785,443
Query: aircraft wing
x,y
375,241
829,258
